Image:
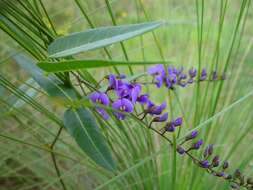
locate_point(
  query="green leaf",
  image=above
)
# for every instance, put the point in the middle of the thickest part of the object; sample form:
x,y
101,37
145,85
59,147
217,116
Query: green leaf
x,y
72,65
97,38
81,125
51,84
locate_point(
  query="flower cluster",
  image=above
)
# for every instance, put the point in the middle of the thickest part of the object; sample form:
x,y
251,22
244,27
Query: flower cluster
x,y
174,76
128,95
123,96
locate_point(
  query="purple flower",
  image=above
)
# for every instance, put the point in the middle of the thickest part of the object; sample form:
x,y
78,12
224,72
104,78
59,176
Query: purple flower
x,y
143,99
123,105
100,98
193,135
178,121
129,91
158,72
180,150
203,75
161,118
204,163
155,110
198,144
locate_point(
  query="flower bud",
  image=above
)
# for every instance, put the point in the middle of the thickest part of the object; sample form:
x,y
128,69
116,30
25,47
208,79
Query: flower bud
x,y
170,127
180,150
225,165
197,144
204,164
208,151
220,174
216,161
193,135
178,121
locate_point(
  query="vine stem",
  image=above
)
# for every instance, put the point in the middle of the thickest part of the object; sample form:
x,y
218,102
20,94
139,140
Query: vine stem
x,y
54,158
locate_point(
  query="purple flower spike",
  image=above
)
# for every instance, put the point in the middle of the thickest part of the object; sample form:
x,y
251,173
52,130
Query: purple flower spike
x,y
198,144
122,105
161,118
204,163
203,75
156,110
178,121
193,135
180,150
158,72
100,98
143,99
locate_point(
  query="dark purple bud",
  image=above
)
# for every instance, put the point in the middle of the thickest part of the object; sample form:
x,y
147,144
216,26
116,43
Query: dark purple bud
x,y
193,135
192,73
170,127
220,174
225,165
208,151
161,118
190,81
216,161
214,75
204,164
156,110
203,75
198,144
180,150
178,121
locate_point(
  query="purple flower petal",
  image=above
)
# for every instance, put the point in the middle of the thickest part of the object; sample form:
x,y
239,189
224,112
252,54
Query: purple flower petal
x,y
157,70
143,99
122,105
99,97
135,92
